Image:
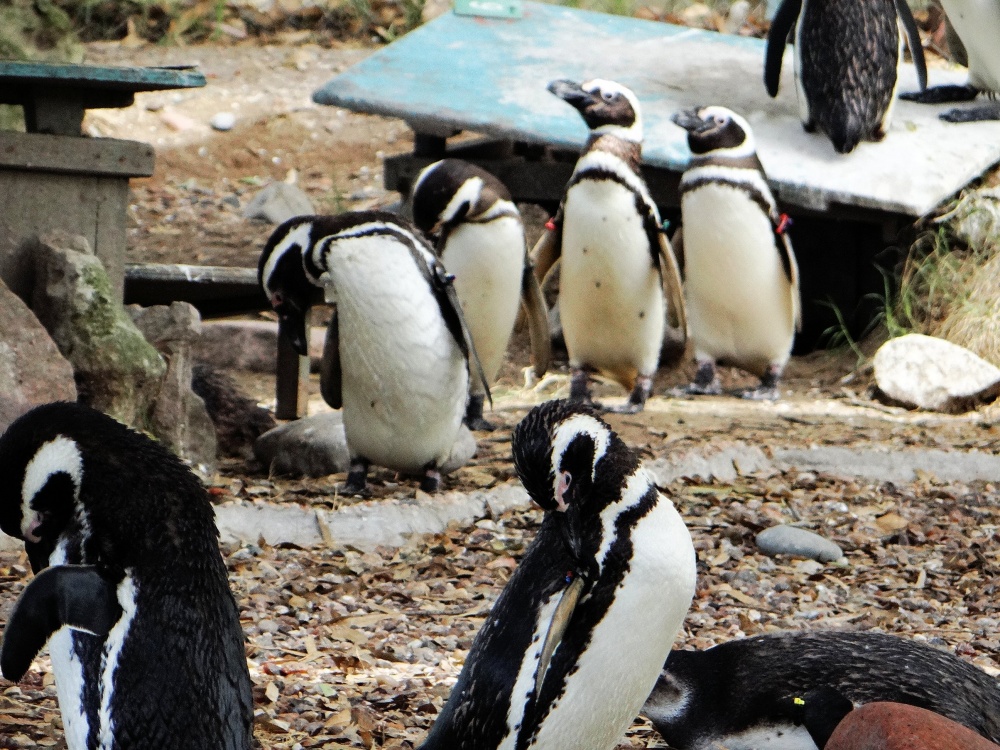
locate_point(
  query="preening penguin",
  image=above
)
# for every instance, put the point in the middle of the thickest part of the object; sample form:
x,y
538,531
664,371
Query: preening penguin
x,y
977,24
131,592
741,279
479,237
787,691
397,355
575,640
847,58
618,281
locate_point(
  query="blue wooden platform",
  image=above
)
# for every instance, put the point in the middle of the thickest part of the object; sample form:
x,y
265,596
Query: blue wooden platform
x,y
489,76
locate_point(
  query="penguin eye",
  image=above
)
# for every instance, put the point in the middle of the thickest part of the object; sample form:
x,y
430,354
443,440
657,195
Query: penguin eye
x,y
562,487
608,96
277,299
721,120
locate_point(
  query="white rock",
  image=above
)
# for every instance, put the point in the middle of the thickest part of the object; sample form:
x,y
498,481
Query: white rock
x,y
931,373
223,121
278,202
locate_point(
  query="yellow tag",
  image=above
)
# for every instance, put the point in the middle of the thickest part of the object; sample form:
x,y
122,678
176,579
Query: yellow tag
x,y
798,702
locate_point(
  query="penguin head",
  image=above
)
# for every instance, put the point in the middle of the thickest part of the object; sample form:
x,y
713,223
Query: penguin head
x,y
718,130
556,448
41,470
444,193
606,106
283,277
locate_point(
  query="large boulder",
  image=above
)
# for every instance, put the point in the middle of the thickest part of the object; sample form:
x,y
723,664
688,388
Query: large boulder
x,y
179,417
930,373
32,371
117,371
896,726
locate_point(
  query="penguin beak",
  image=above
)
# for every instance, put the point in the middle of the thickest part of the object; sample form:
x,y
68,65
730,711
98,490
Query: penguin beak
x,y
292,325
571,92
691,121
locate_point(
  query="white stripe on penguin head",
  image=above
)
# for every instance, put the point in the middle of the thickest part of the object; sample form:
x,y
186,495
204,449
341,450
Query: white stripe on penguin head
x,y
60,455
566,431
297,239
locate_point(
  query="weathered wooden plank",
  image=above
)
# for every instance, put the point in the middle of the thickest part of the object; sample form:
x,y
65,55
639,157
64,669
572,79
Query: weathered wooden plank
x,y
94,77
63,154
489,76
214,290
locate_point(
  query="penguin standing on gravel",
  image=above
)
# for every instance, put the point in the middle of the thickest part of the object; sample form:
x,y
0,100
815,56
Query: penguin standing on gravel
x,y
480,239
977,26
618,279
790,690
398,351
576,639
741,279
847,59
131,592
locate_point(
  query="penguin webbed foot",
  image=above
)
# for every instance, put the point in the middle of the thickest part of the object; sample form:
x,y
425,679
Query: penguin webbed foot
x,y
357,479
637,399
986,112
941,94
705,383
768,389
579,389
474,418
431,481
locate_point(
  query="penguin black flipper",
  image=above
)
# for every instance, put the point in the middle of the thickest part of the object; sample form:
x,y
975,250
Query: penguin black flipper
x,y
788,263
330,375
536,312
73,595
673,292
557,628
451,311
781,25
548,250
905,16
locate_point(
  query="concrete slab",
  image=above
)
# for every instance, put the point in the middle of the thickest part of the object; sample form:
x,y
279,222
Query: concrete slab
x,y
899,467
489,76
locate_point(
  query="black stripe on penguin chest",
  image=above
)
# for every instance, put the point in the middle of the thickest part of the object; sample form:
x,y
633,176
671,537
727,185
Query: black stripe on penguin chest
x,y
642,208
589,613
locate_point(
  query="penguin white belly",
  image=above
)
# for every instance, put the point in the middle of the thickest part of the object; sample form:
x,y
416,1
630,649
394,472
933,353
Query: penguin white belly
x,y
404,378
978,24
617,671
739,299
488,261
610,297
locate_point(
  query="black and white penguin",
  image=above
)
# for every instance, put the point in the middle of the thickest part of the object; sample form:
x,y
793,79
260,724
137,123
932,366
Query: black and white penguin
x,y
847,59
398,351
570,649
780,691
977,24
741,281
479,236
131,591
618,281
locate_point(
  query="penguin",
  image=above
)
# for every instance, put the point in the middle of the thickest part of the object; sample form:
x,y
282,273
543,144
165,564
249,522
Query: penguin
x,y
740,275
571,647
397,353
847,59
785,691
130,593
977,25
619,280
479,236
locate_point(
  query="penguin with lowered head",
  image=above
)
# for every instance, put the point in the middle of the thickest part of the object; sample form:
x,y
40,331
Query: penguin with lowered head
x,y
847,59
619,284
479,237
741,280
576,639
397,353
788,691
130,593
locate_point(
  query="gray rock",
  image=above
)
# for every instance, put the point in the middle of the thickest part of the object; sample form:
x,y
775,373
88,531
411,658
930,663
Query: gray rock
x,y
278,202
975,220
931,373
179,417
117,371
32,371
249,345
316,446
796,542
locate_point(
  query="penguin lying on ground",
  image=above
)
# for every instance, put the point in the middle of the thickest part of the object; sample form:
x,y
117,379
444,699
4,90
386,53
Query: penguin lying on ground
x,y
397,351
847,58
618,275
131,592
977,24
480,239
741,279
569,651
787,690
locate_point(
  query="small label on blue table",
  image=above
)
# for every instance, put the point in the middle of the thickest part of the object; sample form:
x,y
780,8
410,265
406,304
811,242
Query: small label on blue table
x,y
489,8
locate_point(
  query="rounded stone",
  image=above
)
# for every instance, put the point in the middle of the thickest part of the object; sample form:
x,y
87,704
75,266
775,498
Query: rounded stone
x,y
796,542
223,121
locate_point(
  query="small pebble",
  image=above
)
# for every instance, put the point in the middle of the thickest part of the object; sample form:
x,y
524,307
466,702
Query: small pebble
x,y
223,121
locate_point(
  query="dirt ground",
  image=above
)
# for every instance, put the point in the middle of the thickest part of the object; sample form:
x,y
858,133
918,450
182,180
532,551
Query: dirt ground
x,y
352,649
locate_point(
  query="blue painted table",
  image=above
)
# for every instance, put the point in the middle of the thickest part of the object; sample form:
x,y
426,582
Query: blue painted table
x,y
461,73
